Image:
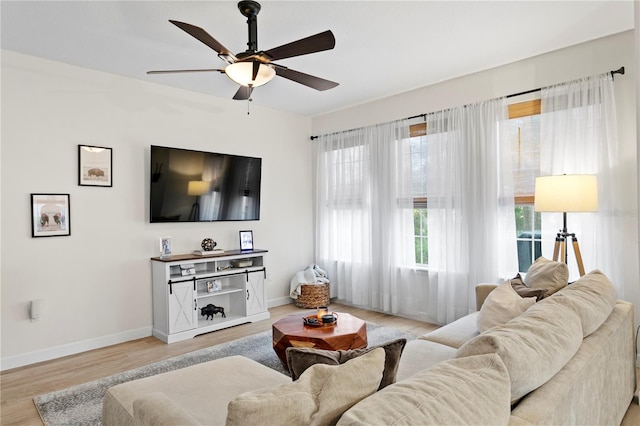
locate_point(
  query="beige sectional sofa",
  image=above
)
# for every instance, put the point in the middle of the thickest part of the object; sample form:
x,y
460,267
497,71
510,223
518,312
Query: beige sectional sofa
x,y
567,359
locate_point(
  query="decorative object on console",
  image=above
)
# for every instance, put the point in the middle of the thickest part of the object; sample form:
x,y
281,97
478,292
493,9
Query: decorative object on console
x,y
246,240
241,263
566,193
213,286
208,248
165,247
208,244
187,269
210,310
50,215
95,165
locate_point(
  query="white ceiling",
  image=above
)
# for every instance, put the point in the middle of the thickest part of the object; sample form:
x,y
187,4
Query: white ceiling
x,y
382,47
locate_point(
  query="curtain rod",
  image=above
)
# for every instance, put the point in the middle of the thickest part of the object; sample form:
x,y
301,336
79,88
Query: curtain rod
x,y
618,71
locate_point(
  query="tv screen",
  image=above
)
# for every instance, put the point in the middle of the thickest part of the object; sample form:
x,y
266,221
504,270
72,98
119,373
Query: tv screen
x,y
196,186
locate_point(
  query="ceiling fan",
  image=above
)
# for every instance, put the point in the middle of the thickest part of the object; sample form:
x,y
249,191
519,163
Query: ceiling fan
x,y
253,68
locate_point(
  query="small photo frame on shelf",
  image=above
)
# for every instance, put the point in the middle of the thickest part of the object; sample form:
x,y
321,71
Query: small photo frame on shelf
x,y
165,247
50,215
95,164
246,240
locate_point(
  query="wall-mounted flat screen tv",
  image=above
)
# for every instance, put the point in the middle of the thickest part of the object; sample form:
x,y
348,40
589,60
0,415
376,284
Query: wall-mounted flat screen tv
x,y
196,186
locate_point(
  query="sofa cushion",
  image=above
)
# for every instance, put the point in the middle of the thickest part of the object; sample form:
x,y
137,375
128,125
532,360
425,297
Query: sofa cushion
x,y
501,306
195,389
419,354
519,286
547,274
319,396
533,346
593,297
471,390
455,334
157,409
299,359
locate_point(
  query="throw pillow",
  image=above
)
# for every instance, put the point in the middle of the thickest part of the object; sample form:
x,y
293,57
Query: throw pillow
x,y
524,291
547,274
319,397
474,390
501,306
299,359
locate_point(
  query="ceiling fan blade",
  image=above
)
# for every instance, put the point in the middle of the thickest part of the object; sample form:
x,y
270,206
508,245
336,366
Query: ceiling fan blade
x,y
179,71
203,36
243,93
311,44
306,79
256,68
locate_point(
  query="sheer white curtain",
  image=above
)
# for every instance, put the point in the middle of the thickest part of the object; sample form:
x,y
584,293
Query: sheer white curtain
x,y
472,237
578,136
364,220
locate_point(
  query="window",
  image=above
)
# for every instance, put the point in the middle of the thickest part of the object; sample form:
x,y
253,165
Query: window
x,y
418,141
525,149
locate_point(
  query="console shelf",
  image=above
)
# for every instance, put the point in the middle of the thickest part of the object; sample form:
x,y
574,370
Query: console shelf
x,y
184,284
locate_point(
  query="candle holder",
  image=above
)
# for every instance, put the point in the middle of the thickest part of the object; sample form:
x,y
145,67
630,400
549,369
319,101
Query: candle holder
x,y
322,310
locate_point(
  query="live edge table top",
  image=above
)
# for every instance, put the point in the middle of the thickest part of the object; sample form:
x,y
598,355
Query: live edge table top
x,y
349,332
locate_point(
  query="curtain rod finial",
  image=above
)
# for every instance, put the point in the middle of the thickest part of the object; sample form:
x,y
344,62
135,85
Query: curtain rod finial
x,y
618,71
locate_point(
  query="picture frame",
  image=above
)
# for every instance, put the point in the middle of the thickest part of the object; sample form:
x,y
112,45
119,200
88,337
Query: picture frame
x,y
246,240
50,215
165,247
95,166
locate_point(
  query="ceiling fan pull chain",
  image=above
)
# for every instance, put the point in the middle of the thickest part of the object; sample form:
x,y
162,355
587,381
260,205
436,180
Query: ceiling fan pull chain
x,y
248,104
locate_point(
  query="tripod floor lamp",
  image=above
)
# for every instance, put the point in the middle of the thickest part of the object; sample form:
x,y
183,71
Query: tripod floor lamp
x,y
566,193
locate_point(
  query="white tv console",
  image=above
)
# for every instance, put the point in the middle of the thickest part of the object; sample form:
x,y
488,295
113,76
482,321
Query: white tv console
x,y
183,284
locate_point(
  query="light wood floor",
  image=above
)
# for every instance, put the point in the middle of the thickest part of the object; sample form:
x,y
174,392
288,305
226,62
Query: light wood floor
x,y
18,386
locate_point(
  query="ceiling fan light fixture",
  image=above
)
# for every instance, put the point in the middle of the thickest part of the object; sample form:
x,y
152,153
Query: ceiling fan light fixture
x,y
242,73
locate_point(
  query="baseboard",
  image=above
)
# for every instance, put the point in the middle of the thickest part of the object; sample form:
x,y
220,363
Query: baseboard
x,y
279,302
72,348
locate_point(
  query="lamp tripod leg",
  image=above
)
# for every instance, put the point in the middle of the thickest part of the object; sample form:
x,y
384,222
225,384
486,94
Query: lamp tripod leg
x,y
556,249
576,250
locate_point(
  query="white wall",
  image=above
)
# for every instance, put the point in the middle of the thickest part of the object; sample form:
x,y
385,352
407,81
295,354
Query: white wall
x,y
598,56
96,283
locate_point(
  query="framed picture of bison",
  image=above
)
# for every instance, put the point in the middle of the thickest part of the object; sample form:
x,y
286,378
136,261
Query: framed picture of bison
x,y
95,166
50,215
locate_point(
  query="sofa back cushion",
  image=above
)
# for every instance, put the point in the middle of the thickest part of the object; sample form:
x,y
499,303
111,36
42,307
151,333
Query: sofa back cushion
x,y
534,346
319,396
592,297
472,390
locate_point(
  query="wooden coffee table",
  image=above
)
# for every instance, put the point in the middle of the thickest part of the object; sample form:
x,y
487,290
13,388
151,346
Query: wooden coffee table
x,y
349,332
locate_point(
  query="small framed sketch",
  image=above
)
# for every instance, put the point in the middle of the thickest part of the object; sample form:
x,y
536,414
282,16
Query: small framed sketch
x,y
95,165
246,240
50,215
165,247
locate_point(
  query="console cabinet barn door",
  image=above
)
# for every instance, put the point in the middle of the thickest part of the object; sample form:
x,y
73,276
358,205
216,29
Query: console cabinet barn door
x,y
256,294
182,308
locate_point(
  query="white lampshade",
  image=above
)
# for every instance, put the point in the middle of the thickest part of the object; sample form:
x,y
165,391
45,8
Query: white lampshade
x,y
566,193
198,187
242,73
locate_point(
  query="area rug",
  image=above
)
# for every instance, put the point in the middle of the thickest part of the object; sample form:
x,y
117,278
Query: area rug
x,y
82,404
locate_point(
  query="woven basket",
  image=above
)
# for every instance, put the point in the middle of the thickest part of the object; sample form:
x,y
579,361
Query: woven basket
x,y
313,295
